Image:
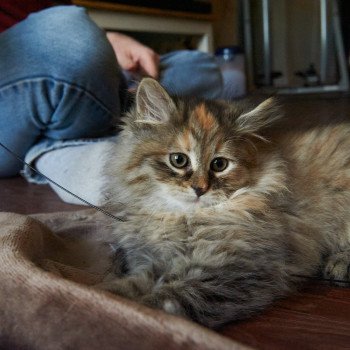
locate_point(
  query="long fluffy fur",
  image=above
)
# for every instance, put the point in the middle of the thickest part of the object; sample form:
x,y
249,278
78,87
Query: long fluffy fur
x,y
280,211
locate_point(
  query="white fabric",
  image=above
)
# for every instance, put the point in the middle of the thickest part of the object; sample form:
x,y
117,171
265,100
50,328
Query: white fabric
x,y
76,168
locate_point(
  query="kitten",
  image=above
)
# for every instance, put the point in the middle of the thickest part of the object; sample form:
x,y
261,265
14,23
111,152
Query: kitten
x,y
222,217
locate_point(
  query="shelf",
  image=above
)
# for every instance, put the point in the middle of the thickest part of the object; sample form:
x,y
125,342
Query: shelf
x,y
100,5
118,17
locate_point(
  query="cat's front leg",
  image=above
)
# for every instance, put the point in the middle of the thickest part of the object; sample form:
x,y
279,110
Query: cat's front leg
x,y
139,289
337,267
165,302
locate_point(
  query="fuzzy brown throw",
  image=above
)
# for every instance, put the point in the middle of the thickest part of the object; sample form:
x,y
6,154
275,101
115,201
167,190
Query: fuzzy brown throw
x,y
47,298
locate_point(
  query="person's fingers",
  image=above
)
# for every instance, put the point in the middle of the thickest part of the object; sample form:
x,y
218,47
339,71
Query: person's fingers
x,y
149,64
127,62
134,56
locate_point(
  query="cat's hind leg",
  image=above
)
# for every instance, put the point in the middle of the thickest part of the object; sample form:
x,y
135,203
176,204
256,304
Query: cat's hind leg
x,y
337,267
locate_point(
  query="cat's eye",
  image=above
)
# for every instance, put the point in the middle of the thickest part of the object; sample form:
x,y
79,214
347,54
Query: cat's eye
x,y
219,164
178,160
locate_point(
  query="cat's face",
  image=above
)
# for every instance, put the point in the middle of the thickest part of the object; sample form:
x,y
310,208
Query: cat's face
x,y
190,155
197,164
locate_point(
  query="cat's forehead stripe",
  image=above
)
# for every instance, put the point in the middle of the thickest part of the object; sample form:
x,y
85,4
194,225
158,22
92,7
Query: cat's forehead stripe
x,y
205,118
186,140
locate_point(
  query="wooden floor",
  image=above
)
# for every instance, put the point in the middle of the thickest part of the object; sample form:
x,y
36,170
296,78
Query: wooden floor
x,y
318,317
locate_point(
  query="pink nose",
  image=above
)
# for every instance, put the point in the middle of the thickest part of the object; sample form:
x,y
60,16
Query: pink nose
x,y
199,190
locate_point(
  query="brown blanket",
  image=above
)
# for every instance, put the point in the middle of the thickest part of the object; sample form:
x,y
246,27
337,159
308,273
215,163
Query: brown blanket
x,y
47,298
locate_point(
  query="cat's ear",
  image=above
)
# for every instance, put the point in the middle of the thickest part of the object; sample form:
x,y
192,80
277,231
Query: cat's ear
x,y
262,116
153,103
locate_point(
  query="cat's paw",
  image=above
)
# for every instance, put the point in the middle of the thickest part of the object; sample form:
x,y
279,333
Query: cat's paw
x,y
169,305
337,267
172,307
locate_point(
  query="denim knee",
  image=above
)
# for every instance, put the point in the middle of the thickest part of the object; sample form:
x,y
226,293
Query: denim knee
x,y
62,43
59,79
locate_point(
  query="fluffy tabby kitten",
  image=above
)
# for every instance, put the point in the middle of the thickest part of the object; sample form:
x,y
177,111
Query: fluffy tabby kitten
x,y
221,218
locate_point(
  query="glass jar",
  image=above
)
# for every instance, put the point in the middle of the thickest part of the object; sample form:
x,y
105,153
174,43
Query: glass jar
x,y
231,62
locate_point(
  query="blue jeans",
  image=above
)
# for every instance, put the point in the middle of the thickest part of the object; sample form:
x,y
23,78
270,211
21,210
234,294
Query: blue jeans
x,y
60,83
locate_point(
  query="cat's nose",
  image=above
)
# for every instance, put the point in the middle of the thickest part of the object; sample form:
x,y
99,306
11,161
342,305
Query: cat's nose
x,y
199,190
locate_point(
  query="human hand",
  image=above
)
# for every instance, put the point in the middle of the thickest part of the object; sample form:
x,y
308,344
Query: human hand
x,y
133,56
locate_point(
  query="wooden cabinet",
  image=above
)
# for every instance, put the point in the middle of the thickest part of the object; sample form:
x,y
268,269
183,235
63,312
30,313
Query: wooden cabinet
x,y
163,30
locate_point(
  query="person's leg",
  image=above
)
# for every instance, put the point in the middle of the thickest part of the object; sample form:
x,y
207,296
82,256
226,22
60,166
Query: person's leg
x,y
59,79
191,73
